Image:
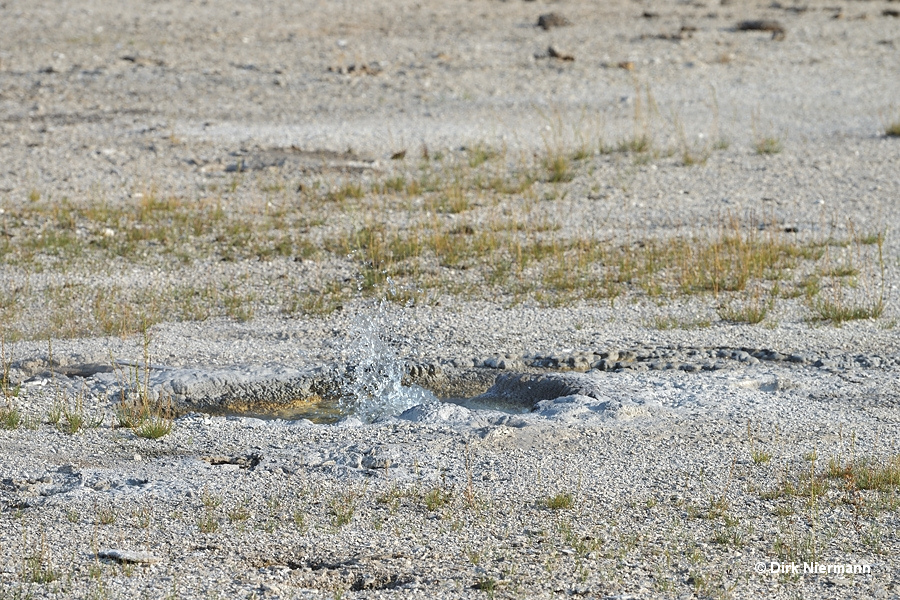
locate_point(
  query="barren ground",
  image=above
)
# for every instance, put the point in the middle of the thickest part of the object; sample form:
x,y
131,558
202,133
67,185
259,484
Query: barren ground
x,y
230,185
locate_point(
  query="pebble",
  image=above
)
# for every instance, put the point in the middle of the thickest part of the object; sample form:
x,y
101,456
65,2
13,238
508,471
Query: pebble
x,y
128,556
776,28
560,54
550,20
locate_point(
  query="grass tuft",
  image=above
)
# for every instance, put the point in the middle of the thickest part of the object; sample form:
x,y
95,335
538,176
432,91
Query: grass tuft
x,y
752,312
107,516
208,523
836,312
486,584
136,410
480,154
238,513
154,427
559,169
10,417
343,508
867,474
559,501
72,419
892,129
435,498
638,144
767,145
760,457
37,567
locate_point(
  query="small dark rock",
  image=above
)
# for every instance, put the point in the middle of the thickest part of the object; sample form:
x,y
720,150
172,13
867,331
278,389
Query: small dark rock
x,y
778,31
686,32
551,20
558,54
128,556
760,25
370,69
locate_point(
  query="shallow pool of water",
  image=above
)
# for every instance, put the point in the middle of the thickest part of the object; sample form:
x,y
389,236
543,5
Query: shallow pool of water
x,y
324,411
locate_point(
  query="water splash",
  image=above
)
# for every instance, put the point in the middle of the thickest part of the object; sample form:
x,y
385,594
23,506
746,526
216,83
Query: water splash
x,y
372,383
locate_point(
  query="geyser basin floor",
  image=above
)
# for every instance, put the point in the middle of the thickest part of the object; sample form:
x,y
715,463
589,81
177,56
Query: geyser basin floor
x,y
715,460
235,506
140,182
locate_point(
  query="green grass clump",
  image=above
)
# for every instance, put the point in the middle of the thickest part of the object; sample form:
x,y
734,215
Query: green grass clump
x,y
136,410
760,457
559,169
10,417
867,474
37,569
208,523
837,312
72,419
435,498
559,501
107,516
346,192
238,513
768,145
478,155
691,157
486,584
753,312
73,422
154,427
343,508
638,144
341,514
893,129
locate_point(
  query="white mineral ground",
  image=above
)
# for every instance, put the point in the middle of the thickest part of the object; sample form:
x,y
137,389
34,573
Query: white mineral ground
x,y
673,468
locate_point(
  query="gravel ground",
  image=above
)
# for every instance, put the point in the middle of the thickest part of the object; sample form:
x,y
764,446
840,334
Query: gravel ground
x,y
652,446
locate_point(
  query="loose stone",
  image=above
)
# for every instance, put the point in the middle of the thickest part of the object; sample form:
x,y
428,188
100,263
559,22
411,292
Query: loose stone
x,y
560,54
128,556
551,20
